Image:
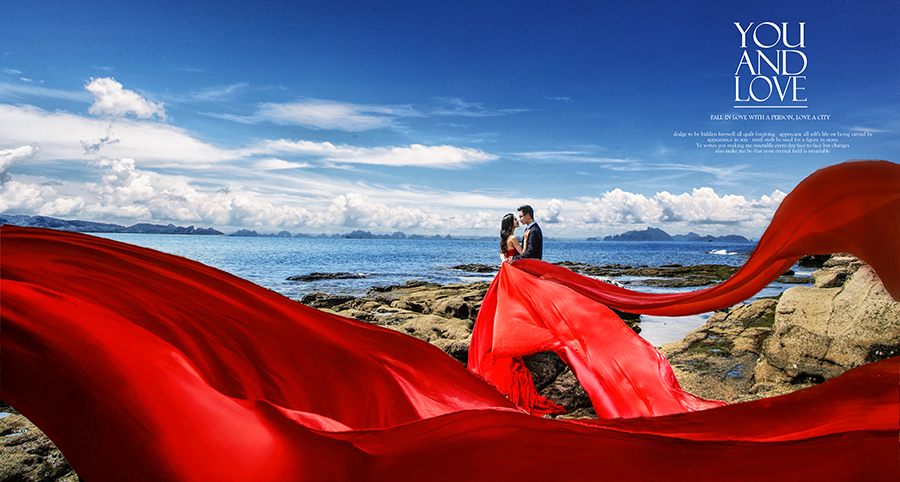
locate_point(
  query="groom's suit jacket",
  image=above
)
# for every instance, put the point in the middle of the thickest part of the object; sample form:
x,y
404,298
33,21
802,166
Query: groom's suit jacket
x,y
534,246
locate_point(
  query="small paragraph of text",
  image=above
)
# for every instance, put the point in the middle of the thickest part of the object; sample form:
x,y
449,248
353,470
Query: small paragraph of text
x,y
757,142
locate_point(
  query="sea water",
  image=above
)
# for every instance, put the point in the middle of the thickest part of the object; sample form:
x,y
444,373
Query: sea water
x,y
269,261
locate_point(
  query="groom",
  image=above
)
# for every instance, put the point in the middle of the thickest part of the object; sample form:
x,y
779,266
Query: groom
x,y
534,240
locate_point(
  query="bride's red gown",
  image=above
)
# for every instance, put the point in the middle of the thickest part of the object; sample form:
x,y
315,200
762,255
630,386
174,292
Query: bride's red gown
x,y
144,366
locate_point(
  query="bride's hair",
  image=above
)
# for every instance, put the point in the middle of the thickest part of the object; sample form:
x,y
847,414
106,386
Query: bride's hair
x,y
506,229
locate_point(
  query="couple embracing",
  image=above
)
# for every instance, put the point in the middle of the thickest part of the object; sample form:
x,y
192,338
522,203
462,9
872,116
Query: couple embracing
x,y
510,248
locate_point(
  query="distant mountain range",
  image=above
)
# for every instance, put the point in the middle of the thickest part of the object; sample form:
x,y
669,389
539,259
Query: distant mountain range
x,y
358,234
656,234
145,228
92,227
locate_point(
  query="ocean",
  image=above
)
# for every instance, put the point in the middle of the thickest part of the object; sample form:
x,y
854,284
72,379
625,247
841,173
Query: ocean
x,y
269,261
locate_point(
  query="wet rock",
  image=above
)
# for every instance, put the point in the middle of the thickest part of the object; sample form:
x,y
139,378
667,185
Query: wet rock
x,y
545,368
567,392
813,260
408,285
667,275
321,276
717,360
324,300
475,268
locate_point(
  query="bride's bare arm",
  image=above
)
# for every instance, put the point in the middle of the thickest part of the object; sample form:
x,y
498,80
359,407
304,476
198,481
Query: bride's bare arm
x,y
513,242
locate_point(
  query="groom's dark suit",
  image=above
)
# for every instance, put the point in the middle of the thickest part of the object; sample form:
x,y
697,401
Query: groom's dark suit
x,y
534,245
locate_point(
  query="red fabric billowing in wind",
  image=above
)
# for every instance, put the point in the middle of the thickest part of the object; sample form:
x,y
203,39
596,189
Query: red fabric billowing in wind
x,y
145,366
535,306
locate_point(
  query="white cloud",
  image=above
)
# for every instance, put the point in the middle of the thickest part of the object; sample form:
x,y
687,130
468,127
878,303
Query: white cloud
x,y
274,164
111,99
22,197
356,210
700,207
323,114
8,157
414,155
550,213
19,92
278,199
62,206
459,107
620,207
220,93
64,136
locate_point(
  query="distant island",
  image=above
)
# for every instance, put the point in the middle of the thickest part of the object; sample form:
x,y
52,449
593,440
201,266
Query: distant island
x,y
656,234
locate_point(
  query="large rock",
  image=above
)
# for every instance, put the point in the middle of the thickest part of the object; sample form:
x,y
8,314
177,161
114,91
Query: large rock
x,y
823,331
809,335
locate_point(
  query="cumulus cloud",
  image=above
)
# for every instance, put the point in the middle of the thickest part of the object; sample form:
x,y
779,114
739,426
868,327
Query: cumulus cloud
x,y
62,206
127,194
701,206
8,157
550,212
111,99
357,210
22,197
620,207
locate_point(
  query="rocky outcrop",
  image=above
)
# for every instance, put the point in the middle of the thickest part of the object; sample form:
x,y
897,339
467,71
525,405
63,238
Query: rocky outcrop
x,y
27,455
444,315
753,350
316,276
807,336
845,321
669,275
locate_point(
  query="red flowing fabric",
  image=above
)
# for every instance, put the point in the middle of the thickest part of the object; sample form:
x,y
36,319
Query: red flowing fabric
x,y
535,306
145,366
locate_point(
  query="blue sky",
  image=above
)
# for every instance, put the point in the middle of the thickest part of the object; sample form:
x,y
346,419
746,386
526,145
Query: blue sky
x,y
428,117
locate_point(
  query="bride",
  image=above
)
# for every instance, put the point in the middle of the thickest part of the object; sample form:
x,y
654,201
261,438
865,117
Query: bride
x,y
509,243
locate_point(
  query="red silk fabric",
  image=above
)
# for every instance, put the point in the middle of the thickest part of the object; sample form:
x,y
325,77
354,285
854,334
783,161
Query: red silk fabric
x,y
853,207
624,375
145,366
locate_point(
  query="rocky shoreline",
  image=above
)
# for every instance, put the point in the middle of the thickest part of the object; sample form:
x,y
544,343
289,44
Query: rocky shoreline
x,y
761,349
